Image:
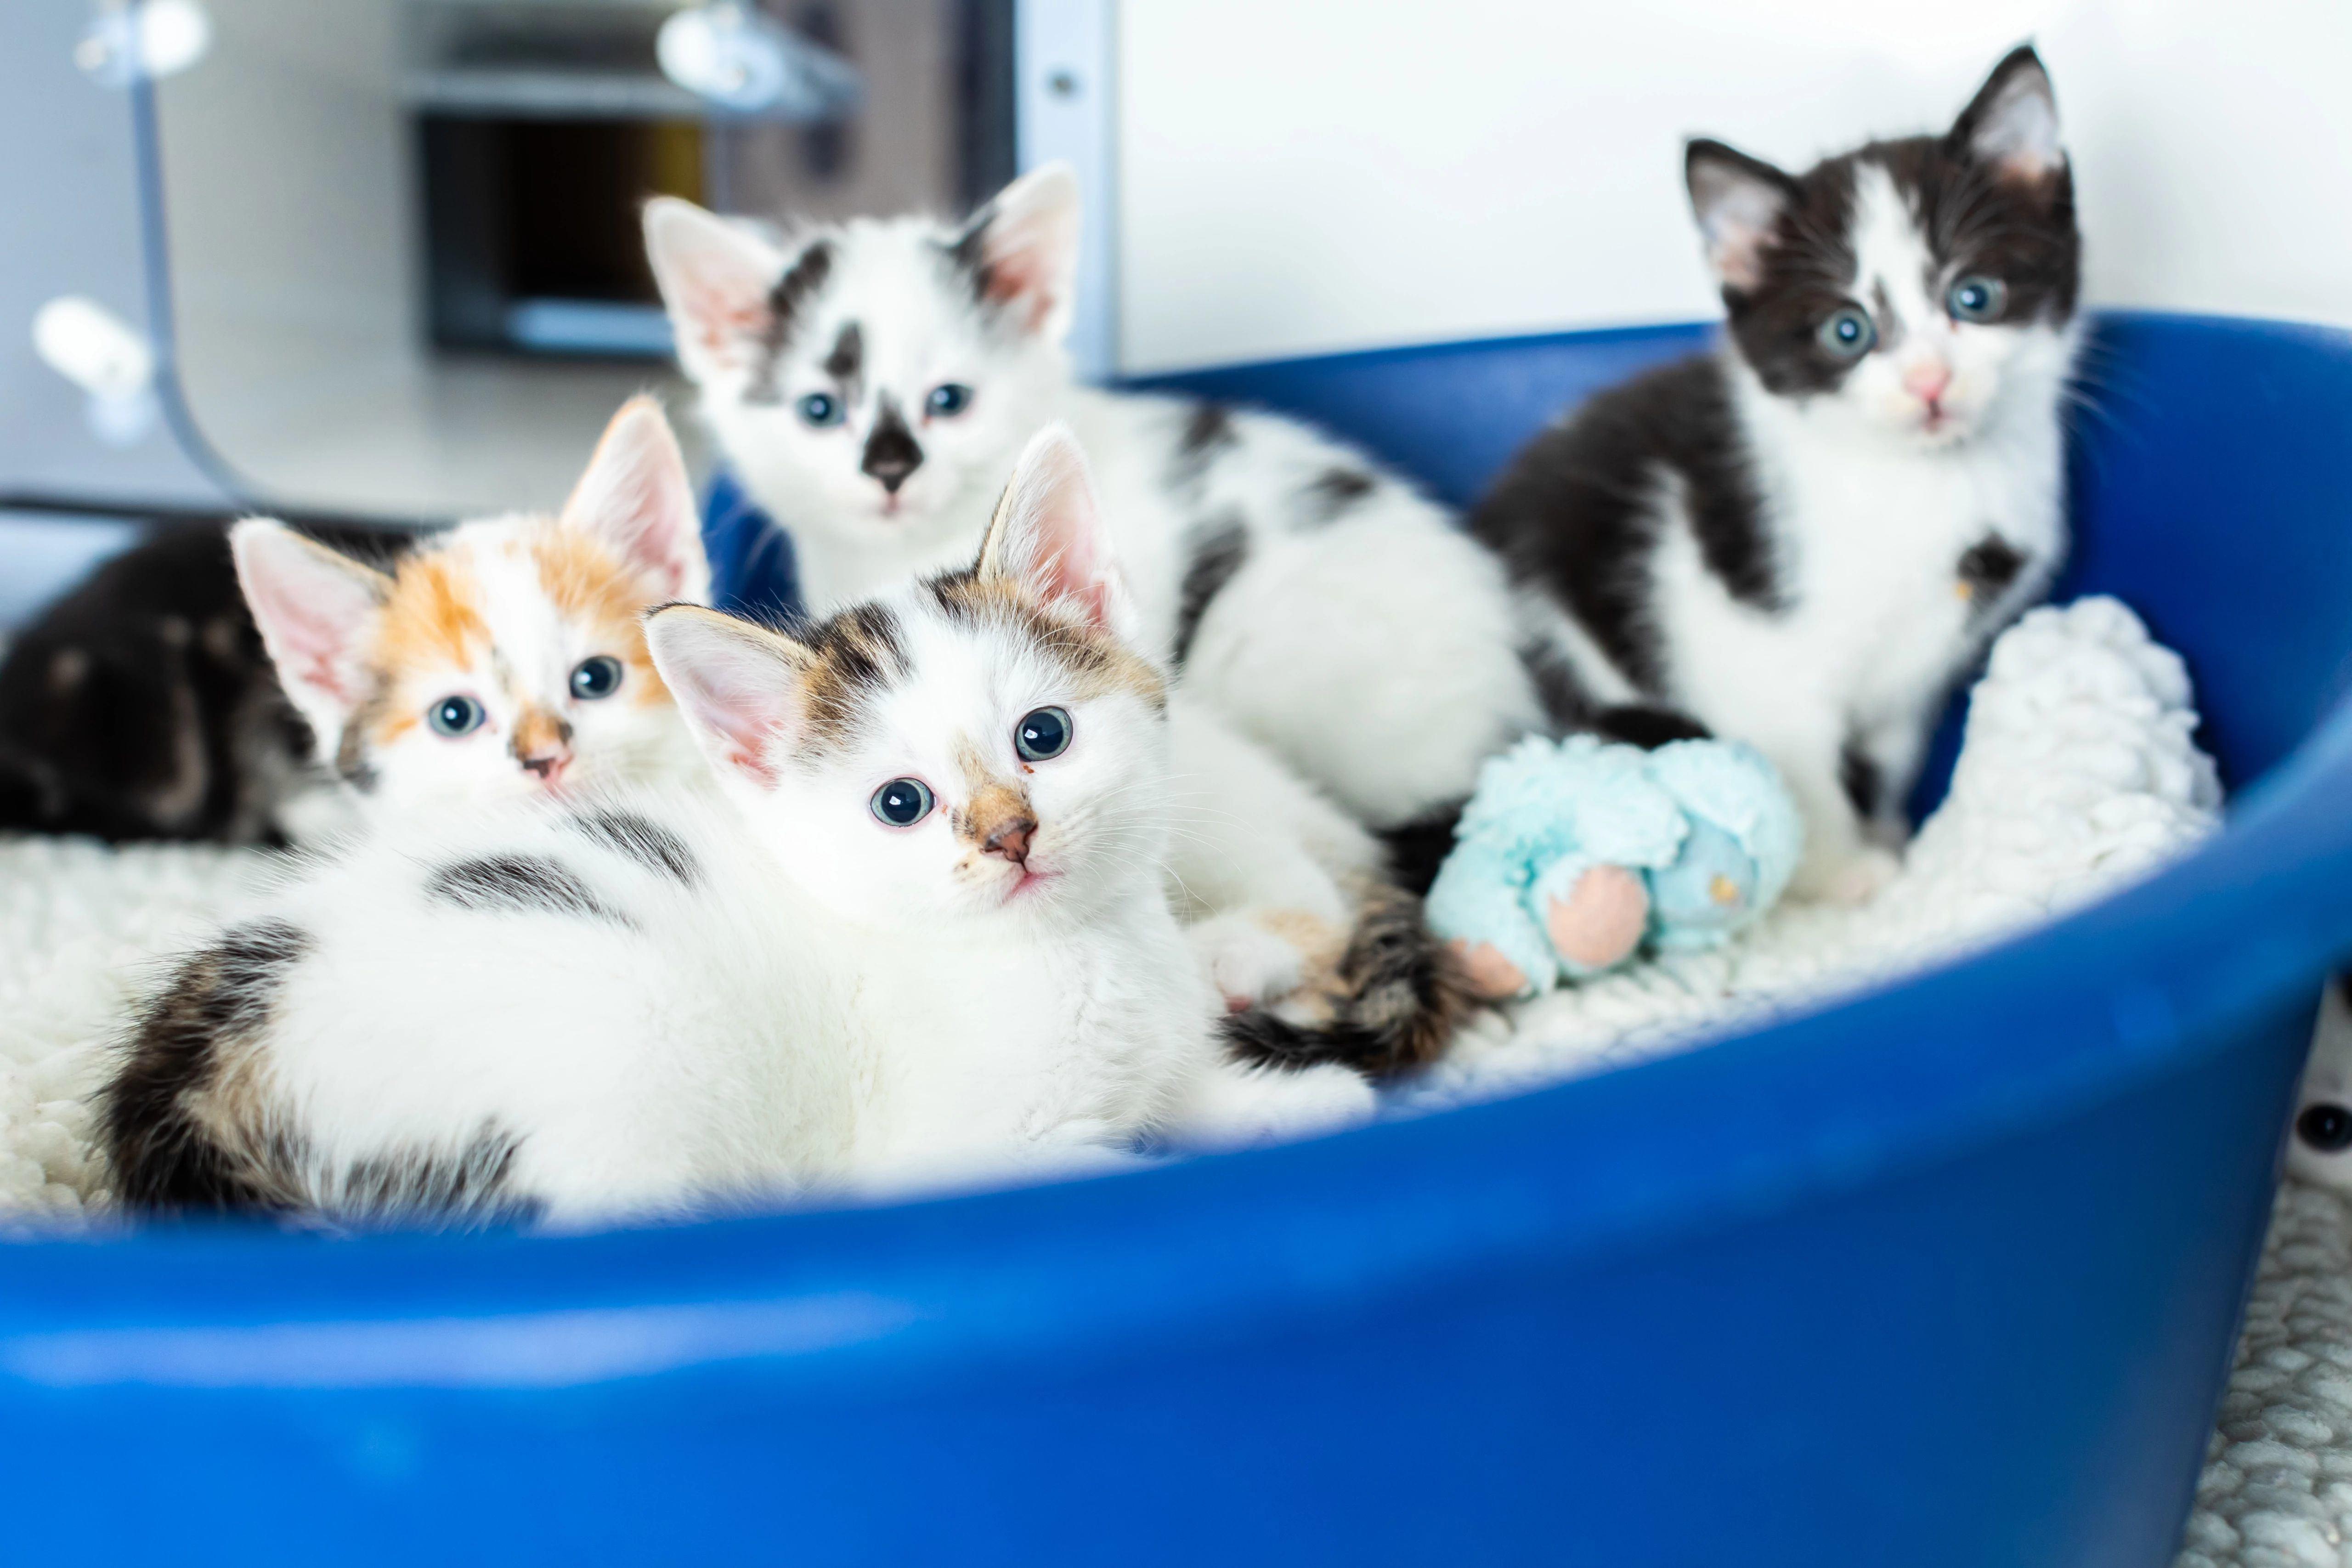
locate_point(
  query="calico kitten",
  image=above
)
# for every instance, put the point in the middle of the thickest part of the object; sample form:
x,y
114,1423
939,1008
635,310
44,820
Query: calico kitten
x,y
141,705
1804,538
869,381
915,933
502,657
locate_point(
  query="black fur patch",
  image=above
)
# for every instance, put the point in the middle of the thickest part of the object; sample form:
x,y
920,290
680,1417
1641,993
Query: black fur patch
x,y
1401,995
643,840
473,1184
1648,728
1417,848
517,884
969,254
1987,568
1208,432
848,356
1336,490
1218,550
800,282
1859,778
891,450
1576,514
163,1158
1566,702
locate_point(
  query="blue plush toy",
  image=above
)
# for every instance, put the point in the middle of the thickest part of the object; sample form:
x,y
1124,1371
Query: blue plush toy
x,y
1574,855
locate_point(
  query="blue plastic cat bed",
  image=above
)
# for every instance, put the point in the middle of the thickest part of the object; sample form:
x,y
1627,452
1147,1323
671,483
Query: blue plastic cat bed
x,y
1947,1275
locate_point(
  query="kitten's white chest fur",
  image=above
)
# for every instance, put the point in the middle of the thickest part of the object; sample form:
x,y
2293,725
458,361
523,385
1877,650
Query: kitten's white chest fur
x,y
1057,1045
1867,541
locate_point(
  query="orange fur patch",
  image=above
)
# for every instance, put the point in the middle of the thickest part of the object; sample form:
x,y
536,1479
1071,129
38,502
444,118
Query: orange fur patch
x,y
433,615
588,583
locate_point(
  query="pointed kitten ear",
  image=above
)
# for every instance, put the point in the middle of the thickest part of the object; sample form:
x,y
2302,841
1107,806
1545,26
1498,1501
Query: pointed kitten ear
x,y
636,499
740,686
2012,121
1738,201
1022,250
716,279
1047,536
317,612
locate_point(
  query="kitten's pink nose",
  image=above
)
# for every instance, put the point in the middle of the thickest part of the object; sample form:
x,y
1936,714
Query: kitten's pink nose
x,y
1927,379
546,765
1011,840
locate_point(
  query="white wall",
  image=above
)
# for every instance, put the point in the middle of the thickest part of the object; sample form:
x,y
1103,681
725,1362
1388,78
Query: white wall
x,y
1298,176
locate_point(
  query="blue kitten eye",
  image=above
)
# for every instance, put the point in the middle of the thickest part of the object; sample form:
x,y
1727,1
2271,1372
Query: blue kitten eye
x,y
1042,734
1849,333
948,398
902,803
454,716
594,678
1976,298
821,408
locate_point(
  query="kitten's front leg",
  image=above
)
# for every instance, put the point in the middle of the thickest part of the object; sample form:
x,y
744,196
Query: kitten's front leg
x,y
1841,865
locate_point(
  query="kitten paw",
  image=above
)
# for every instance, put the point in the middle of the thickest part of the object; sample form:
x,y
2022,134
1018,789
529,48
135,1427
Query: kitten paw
x,y
1249,964
1492,976
1602,920
1853,881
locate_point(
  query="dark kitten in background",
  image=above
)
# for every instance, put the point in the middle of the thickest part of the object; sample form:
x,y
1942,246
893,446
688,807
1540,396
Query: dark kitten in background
x,y
1803,538
141,705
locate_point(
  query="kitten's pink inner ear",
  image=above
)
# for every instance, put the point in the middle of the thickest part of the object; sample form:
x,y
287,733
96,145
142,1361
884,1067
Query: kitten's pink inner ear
x,y
314,608
1737,209
714,278
2018,130
637,497
1029,244
1049,534
737,684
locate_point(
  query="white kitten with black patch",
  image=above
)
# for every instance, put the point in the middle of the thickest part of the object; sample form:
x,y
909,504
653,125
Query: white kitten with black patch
x,y
869,381
918,933
1804,538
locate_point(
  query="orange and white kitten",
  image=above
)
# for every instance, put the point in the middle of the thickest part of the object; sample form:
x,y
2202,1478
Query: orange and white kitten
x,y
503,658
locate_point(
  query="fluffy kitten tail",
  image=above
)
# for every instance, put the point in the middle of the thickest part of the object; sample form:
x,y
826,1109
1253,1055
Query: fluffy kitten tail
x,y
1392,1004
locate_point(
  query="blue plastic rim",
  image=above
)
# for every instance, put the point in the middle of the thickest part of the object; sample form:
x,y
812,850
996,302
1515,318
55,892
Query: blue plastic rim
x,y
1949,1274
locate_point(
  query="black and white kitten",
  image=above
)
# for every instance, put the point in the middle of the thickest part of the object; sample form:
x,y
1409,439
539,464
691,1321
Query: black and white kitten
x,y
1804,538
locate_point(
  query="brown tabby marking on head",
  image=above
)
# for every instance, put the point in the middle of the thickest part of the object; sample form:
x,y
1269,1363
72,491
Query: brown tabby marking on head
x,y
1097,662
845,660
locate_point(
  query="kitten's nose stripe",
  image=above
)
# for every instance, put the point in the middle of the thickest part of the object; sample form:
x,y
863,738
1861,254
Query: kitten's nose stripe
x,y
891,452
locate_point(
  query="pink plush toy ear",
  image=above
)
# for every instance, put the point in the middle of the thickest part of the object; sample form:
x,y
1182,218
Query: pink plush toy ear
x,y
1047,535
637,498
740,686
317,612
